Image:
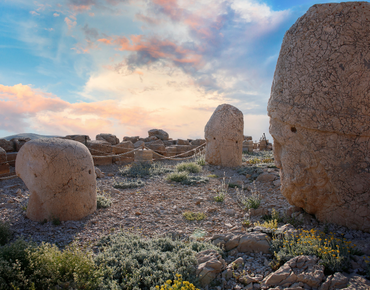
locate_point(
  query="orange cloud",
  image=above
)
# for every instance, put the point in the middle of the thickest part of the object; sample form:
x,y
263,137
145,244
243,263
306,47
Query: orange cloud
x,y
23,107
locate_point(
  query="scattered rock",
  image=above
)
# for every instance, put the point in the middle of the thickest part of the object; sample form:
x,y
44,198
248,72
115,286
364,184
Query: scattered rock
x,y
210,263
112,139
159,133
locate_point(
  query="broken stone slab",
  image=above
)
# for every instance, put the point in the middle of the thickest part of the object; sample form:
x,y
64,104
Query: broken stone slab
x,y
110,138
159,133
6,145
99,147
210,264
303,269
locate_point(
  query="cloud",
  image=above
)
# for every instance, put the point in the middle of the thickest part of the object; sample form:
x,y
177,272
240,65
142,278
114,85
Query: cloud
x,y
153,49
34,13
56,15
70,23
49,29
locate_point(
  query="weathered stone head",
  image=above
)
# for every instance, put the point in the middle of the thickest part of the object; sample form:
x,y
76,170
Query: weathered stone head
x,y
60,175
320,113
224,136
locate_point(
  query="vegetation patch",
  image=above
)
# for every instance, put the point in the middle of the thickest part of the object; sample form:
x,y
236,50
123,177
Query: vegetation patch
x,y
192,216
141,170
177,284
335,253
249,201
190,167
220,197
185,178
133,262
27,266
128,183
177,176
5,233
103,201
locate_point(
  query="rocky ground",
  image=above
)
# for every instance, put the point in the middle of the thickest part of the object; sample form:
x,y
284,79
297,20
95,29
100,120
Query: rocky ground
x,y
157,209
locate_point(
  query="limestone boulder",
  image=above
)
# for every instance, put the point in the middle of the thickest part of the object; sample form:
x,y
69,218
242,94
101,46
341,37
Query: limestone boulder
x,y
112,139
319,112
6,145
210,263
99,147
19,142
301,269
80,138
4,165
124,147
198,142
159,133
224,136
60,176
182,142
133,139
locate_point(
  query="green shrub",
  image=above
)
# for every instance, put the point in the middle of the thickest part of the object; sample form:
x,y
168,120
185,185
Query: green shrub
x,y
335,253
128,183
270,224
103,201
177,176
14,265
212,176
24,265
193,180
70,268
144,169
233,185
177,284
5,233
191,216
251,201
274,215
190,167
133,262
201,160
220,197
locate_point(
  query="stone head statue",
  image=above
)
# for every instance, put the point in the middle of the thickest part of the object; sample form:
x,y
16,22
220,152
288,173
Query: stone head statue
x,y
319,112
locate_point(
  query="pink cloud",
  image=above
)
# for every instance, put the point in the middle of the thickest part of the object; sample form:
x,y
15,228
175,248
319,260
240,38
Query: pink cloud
x,y
70,22
22,107
156,48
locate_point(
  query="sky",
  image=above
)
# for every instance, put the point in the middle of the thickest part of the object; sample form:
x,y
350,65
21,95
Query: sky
x,y
127,66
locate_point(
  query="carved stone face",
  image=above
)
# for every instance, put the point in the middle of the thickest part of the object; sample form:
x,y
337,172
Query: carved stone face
x,y
326,174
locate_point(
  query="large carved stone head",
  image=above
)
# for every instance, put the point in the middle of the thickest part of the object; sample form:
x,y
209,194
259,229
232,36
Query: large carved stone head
x,y
320,113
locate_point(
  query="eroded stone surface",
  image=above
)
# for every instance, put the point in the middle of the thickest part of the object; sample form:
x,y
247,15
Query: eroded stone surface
x,y
320,113
110,138
224,136
60,176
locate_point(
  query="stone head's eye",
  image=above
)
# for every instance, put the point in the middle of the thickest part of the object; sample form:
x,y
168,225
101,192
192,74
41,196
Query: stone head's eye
x,y
293,129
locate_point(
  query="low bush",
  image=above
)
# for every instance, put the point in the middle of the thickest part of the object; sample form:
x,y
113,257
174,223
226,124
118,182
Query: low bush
x,y
24,265
220,197
367,261
103,201
177,284
190,167
133,262
250,201
5,233
186,179
177,176
335,253
270,224
192,216
193,180
128,183
141,170
274,215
